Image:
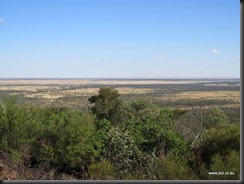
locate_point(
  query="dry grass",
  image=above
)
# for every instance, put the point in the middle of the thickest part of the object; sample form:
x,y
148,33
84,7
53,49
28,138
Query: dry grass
x,y
49,91
27,88
93,91
80,92
232,96
217,95
12,171
127,90
52,95
43,95
209,94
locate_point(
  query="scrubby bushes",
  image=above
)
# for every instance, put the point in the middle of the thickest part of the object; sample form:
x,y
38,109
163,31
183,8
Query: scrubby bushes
x,y
117,140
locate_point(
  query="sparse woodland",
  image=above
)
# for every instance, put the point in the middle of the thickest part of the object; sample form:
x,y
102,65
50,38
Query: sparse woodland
x,y
117,140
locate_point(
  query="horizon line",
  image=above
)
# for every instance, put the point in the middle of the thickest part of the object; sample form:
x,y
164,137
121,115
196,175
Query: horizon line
x,y
92,78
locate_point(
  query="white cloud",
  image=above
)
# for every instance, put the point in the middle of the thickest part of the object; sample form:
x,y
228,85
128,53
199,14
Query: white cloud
x,y
215,51
2,21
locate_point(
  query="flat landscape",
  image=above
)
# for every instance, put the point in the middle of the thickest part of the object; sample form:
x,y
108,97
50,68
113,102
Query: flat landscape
x,y
74,93
120,90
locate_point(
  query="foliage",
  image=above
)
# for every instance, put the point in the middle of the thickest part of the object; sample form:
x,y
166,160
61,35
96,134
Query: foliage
x,y
116,140
221,140
153,132
215,117
172,167
65,141
102,170
228,166
106,104
16,126
100,137
120,150
187,124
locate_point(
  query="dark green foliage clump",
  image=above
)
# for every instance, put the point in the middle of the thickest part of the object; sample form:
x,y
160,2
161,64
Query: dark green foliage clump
x,y
113,139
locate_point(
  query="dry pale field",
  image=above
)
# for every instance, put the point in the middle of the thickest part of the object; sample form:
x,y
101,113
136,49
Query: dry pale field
x,y
70,92
57,92
27,88
235,95
232,96
54,88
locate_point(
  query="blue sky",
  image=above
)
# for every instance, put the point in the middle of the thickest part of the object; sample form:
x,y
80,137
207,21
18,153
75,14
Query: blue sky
x,y
119,38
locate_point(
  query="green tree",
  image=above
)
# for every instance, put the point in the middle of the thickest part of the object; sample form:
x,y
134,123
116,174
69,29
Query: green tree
x,y
221,141
228,166
145,107
215,117
153,131
120,150
16,125
65,142
172,167
107,105
100,137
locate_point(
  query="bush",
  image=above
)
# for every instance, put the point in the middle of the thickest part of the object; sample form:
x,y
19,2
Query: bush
x,y
228,166
215,117
221,141
102,170
65,141
172,167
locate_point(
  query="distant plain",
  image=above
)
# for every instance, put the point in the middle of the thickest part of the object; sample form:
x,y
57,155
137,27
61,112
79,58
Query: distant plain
x,y
74,93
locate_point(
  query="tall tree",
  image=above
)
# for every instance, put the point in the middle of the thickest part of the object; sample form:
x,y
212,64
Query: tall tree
x,y
106,105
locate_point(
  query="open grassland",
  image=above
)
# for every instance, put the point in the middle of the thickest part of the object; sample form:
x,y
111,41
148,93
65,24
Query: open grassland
x,y
74,93
233,96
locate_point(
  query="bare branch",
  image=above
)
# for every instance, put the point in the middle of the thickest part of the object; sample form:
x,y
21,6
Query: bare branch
x,y
201,130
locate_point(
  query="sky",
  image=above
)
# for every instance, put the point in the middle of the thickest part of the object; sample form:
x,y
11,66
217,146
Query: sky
x,y
119,38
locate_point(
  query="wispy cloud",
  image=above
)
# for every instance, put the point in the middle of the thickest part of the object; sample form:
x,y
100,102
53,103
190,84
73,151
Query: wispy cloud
x,y
2,20
215,51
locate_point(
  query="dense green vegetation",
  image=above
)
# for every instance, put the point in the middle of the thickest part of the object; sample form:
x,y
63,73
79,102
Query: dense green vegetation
x,y
114,139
